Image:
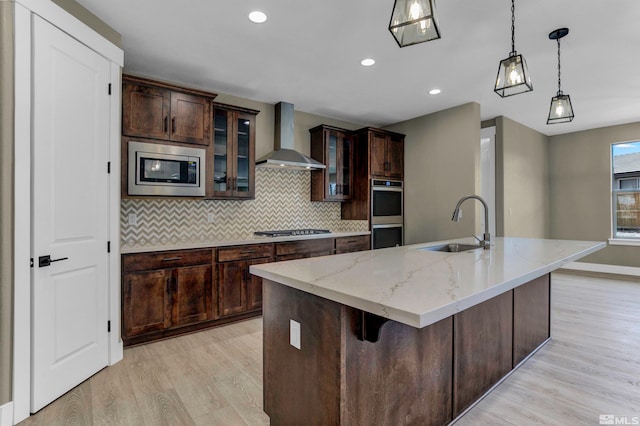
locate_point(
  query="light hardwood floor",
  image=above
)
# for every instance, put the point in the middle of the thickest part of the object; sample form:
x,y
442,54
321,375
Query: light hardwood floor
x,y
590,367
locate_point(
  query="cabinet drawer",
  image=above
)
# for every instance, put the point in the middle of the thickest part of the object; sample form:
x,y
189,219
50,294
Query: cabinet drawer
x,y
166,259
350,244
254,251
312,247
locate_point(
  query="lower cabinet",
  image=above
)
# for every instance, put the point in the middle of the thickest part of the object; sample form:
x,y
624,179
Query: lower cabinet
x,y
351,244
238,290
290,250
165,291
174,292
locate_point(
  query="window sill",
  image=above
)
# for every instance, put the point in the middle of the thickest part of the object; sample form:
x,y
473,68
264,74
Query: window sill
x,y
624,242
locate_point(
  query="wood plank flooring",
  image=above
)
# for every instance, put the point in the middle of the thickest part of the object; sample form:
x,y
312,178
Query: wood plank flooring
x,y
214,377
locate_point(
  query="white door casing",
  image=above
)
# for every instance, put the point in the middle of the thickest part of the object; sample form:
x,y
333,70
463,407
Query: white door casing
x,y
70,202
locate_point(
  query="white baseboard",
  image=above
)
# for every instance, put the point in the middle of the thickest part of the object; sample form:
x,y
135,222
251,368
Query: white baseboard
x,y
6,414
602,268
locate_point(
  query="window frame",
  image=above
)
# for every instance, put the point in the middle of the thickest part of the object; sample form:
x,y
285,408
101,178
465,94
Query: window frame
x,y
615,191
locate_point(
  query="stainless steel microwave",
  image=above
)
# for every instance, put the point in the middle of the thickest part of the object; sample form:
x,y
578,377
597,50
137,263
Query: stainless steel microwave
x,y
170,170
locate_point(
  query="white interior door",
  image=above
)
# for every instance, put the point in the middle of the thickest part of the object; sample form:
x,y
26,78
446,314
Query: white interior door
x,y
70,213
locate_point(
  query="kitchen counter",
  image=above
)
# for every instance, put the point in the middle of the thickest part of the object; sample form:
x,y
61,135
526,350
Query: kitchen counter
x,y
403,335
419,287
241,240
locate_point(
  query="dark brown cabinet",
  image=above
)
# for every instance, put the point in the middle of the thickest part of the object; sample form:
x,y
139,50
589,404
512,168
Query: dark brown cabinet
x,y
232,171
156,110
483,344
351,244
165,291
146,302
238,290
302,249
387,155
378,154
174,292
531,323
333,147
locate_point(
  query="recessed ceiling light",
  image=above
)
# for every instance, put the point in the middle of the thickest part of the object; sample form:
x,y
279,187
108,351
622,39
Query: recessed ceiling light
x,y
367,62
434,91
257,17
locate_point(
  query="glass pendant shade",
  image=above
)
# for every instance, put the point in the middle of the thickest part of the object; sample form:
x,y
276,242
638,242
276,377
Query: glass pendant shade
x,y
414,21
561,110
513,76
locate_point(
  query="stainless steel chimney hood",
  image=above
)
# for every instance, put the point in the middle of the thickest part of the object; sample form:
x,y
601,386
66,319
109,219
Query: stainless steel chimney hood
x,y
284,156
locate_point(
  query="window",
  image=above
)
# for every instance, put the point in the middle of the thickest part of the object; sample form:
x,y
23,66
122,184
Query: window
x,y
626,189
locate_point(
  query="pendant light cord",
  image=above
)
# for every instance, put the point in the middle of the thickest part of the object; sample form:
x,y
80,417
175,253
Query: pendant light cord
x,y
513,27
559,90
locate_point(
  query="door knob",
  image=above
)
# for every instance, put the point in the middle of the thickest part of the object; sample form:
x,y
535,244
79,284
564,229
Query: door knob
x,y
47,261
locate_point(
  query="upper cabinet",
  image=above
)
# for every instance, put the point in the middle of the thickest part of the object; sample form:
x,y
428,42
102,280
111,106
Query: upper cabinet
x,y
333,147
377,154
156,110
387,154
233,152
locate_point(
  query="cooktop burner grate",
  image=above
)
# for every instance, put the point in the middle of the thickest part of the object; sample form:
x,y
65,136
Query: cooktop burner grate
x,y
291,232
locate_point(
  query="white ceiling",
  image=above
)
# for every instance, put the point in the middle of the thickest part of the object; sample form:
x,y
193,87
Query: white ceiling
x,y
309,52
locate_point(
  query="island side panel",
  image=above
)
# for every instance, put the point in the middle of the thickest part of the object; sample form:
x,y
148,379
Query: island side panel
x,y
301,387
531,321
403,378
483,349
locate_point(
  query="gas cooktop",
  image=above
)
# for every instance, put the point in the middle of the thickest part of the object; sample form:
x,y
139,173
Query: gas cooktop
x,y
291,232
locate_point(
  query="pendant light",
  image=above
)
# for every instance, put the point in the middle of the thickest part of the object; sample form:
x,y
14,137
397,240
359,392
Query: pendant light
x,y
414,21
561,110
513,74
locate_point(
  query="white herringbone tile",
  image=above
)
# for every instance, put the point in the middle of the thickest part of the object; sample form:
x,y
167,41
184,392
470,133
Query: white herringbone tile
x,y
282,202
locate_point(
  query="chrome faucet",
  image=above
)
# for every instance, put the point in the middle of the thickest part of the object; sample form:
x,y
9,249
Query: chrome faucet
x,y
457,215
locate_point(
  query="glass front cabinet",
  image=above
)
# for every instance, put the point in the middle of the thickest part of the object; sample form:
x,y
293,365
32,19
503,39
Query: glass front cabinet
x,y
233,152
333,147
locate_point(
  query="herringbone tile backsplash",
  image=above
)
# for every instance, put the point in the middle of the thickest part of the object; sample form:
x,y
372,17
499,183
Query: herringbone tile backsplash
x,y
282,202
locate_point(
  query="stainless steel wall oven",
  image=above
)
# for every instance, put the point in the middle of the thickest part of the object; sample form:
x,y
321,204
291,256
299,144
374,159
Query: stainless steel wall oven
x,y
387,213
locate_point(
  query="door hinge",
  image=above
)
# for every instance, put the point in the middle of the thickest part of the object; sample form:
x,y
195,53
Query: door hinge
x,y
31,265
108,326
108,166
109,88
108,246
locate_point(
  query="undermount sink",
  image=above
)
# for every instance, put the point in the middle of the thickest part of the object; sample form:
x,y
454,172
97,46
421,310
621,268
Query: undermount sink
x,y
452,247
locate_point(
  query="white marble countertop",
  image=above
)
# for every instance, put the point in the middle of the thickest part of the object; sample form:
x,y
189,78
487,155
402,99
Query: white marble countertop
x,y
242,240
420,287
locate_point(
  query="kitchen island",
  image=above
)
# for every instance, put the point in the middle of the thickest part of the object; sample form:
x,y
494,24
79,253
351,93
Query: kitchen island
x,y
403,335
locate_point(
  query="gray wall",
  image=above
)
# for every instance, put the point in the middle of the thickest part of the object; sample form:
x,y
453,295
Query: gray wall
x,y
580,195
522,181
442,164
6,198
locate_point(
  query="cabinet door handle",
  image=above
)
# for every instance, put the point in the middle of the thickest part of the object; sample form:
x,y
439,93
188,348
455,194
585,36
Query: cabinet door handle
x,y
164,124
173,124
169,259
235,183
247,251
